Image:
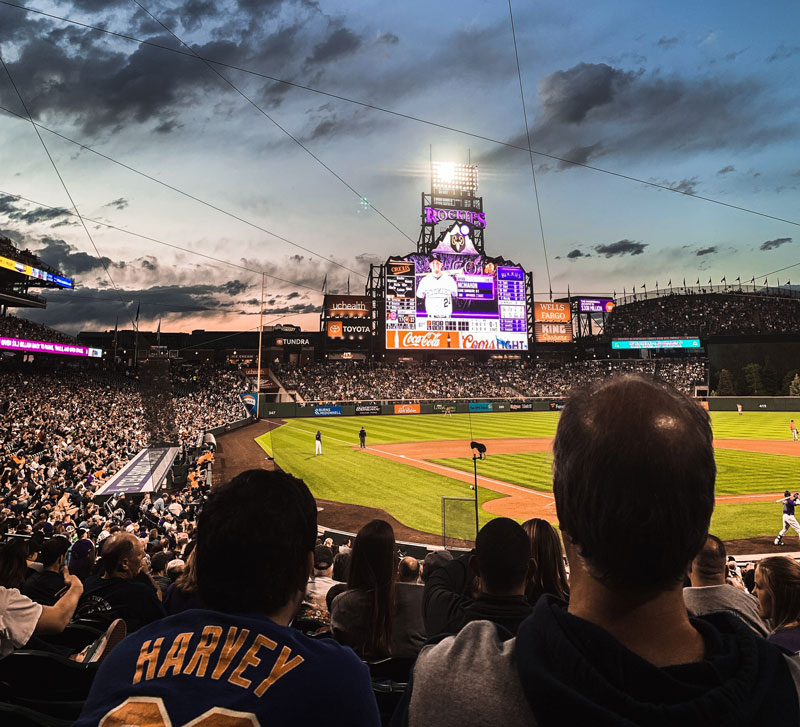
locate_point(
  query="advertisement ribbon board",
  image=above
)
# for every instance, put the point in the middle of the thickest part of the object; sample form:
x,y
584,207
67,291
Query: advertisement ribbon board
x,y
328,411
407,408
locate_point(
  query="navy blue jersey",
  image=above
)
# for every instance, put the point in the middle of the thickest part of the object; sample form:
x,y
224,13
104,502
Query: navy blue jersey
x,y
228,667
788,506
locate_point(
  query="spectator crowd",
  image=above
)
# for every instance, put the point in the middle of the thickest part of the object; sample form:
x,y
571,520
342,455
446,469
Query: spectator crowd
x,y
14,327
380,381
719,314
632,615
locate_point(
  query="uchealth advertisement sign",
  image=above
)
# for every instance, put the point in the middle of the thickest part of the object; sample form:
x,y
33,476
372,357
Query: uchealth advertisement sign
x,y
440,407
407,409
249,401
368,408
552,322
487,340
347,306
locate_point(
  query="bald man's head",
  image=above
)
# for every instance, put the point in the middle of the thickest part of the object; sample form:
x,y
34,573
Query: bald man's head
x,y
633,479
123,555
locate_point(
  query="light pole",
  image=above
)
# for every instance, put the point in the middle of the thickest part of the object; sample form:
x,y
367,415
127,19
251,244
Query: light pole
x,y
478,452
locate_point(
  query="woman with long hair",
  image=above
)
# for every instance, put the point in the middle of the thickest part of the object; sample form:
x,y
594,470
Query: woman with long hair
x,y
365,615
777,588
182,594
547,573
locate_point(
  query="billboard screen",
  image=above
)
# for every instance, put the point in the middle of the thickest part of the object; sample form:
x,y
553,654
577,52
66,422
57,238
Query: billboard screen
x,y
354,333
347,306
552,322
31,272
457,300
629,343
65,349
595,305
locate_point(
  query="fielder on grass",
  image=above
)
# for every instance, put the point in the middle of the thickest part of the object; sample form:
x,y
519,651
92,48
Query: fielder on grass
x,y
789,520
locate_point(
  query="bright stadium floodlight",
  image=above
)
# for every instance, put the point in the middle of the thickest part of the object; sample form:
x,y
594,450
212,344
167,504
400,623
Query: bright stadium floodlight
x,y
449,177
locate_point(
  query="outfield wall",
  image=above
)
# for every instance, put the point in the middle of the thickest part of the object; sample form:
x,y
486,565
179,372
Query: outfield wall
x,y
754,403
290,410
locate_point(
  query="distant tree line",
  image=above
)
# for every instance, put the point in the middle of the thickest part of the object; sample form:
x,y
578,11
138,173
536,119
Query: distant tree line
x,y
756,379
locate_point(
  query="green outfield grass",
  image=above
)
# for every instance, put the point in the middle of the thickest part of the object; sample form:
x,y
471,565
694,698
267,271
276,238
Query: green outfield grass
x,y
738,473
413,496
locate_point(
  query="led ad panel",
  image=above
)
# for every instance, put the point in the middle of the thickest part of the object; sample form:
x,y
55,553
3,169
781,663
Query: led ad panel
x,y
31,272
595,305
65,349
635,343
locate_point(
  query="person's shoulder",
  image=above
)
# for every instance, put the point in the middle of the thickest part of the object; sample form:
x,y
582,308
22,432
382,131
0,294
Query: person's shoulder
x,y
478,654
477,647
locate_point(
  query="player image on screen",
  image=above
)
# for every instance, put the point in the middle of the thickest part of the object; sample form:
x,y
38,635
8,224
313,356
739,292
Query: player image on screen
x,y
455,300
438,289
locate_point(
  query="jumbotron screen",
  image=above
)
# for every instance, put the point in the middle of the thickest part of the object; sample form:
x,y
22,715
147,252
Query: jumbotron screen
x,y
456,301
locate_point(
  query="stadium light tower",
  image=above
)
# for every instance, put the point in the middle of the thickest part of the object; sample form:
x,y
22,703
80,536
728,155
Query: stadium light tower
x,y
454,180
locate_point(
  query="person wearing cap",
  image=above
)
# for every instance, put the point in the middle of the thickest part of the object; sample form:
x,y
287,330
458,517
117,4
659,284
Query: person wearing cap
x,y
45,586
321,580
789,502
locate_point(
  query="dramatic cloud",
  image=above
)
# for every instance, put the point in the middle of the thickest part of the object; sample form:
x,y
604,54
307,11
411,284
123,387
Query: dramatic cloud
x,y
687,186
727,170
772,244
12,208
388,38
97,308
706,251
621,247
574,254
594,110
783,51
568,96
68,259
342,42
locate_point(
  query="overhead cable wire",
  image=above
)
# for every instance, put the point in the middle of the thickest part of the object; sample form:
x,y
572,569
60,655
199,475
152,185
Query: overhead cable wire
x,y
167,244
64,185
399,114
188,195
271,119
530,153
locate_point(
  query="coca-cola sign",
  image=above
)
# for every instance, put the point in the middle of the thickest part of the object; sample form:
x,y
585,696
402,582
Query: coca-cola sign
x,y
422,340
